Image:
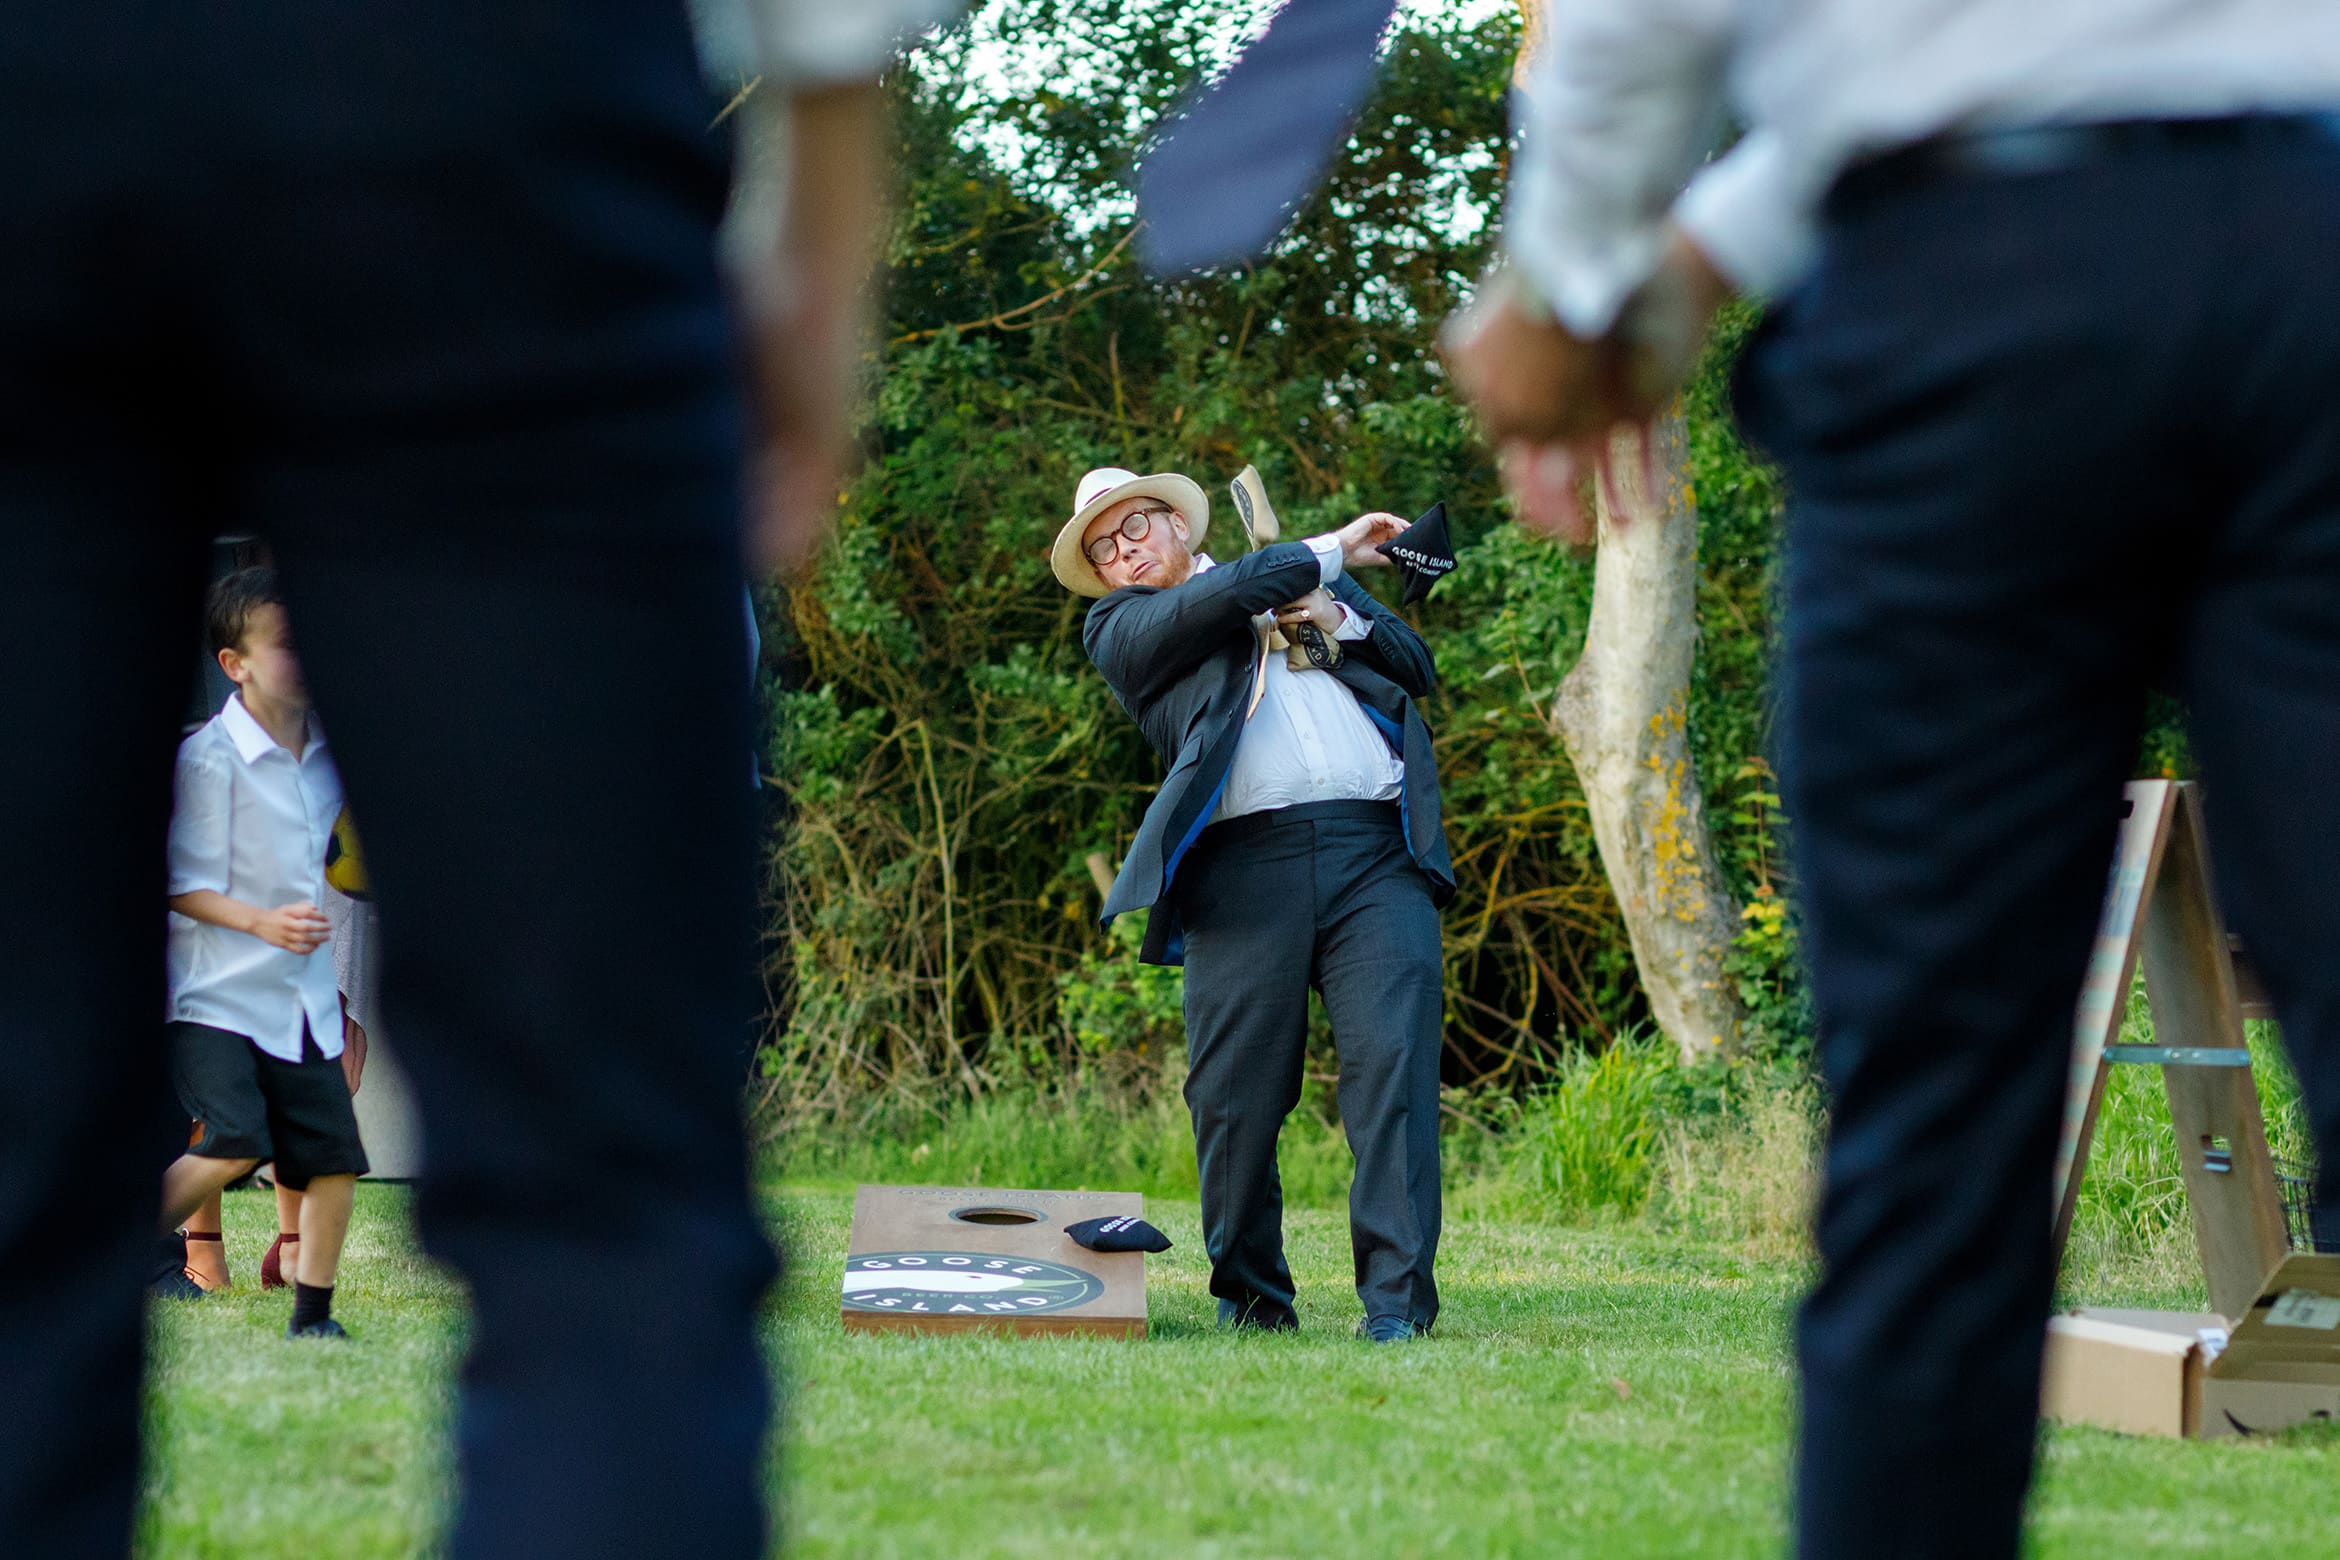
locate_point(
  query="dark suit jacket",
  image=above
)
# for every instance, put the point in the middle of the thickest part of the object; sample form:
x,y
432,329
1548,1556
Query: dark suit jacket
x,y
1180,661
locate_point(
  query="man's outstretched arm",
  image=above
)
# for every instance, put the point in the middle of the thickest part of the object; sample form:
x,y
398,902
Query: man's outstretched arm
x,y
1145,640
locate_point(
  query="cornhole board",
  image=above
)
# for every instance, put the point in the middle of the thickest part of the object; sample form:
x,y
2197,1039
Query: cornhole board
x,y
2201,1375
952,1258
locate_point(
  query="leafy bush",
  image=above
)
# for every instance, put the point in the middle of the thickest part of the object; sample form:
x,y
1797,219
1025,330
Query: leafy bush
x,y
1588,1140
1108,1002
953,766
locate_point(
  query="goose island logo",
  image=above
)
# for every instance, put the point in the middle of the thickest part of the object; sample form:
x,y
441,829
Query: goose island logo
x,y
964,1283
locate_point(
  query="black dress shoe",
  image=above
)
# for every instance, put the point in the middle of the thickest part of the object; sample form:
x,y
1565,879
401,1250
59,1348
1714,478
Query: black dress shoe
x,y
1257,1317
328,1328
167,1279
175,1285
1388,1329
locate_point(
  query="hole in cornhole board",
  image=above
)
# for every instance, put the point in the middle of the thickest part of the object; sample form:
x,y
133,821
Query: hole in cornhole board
x,y
952,1258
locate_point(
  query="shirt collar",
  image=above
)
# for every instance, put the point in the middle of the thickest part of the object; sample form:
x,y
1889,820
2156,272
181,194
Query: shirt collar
x,y
252,739
1203,564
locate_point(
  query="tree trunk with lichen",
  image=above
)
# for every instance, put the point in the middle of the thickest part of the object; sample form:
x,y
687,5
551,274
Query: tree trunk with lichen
x,y
1622,713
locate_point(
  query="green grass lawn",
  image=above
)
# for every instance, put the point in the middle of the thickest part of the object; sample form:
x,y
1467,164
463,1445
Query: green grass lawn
x,y
1607,1392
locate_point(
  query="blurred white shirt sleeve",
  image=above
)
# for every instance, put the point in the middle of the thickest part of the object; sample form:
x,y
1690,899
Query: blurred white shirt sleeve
x,y
810,43
1622,103
1751,216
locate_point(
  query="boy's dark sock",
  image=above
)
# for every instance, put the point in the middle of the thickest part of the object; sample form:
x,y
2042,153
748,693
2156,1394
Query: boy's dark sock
x,y
312,1303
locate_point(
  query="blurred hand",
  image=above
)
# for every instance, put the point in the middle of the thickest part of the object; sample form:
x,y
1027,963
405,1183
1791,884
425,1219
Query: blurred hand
x,y
806,302
1553,402
296,928
1362,538
1525,374
803,384
801,440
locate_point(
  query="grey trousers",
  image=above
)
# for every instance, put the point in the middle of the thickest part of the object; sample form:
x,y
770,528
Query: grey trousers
x,y
1321,895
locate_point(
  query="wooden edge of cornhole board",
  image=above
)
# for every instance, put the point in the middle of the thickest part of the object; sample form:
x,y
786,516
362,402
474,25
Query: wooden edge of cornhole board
x,y
961,1258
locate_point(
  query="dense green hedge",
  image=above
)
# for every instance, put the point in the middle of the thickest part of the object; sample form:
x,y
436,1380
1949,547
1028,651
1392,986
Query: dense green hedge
x,y
950,760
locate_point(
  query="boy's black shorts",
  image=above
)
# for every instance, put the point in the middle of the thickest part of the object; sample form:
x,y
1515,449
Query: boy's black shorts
x,y
249,1105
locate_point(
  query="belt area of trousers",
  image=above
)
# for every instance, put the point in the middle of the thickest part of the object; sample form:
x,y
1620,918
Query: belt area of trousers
x,y
2014,151
1252,826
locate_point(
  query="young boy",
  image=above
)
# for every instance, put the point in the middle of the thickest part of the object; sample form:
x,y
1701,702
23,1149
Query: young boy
x,y
256,1019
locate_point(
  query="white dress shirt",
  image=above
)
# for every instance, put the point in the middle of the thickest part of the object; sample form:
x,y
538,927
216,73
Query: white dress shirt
x,y
1309,740
251,821
1626,97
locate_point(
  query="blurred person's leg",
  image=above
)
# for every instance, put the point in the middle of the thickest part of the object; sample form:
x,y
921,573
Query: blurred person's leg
x,y
98,622
1988,429
560,850
98,618
101,483
502,483
2263,666
446,274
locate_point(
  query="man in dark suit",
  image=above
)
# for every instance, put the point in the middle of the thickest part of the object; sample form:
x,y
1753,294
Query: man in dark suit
x,y
1295,842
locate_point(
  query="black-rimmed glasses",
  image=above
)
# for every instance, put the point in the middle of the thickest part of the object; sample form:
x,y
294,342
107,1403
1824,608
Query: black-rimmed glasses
x,y
1133,527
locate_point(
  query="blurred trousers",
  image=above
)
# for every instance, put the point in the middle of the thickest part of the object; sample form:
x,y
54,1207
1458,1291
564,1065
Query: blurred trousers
x,y
422,293
2053,440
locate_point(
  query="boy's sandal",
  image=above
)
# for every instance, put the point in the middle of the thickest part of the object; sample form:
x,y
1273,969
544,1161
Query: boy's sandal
x,y
272,1265
197,1279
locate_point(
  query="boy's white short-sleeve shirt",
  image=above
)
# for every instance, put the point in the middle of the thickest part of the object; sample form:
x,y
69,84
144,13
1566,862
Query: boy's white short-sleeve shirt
x,y
251,821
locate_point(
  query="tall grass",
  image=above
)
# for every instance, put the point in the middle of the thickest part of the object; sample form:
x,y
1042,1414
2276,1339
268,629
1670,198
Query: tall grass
x,y
1069,1135
1629,1134
1626,1134
2132,1210
1587,1142
1727,1156
1746,1177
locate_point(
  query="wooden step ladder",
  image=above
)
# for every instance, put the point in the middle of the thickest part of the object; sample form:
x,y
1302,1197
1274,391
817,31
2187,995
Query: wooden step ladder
x,y
2160,910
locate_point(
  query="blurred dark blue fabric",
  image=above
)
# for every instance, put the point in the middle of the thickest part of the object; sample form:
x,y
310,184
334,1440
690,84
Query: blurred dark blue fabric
x,y
2050,438
1251,147
423,293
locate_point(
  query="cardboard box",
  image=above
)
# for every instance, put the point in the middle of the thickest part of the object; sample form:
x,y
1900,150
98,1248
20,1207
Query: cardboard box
x,y
2198,1374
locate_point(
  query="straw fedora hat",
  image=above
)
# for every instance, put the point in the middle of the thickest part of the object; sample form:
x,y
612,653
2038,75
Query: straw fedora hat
x,y
1099,491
